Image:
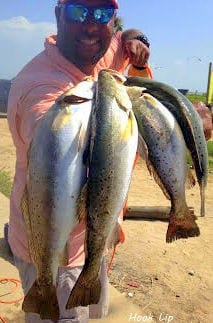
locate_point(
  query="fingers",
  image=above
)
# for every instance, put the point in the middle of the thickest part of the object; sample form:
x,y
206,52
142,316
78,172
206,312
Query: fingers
x,y
137,52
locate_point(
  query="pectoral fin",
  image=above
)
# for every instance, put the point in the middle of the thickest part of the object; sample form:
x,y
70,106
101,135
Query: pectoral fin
x,y
142,148
62,119
131,127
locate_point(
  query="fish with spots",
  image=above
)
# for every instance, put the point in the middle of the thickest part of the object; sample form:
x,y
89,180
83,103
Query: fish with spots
x,y
111,158
189,122
56,174
166,160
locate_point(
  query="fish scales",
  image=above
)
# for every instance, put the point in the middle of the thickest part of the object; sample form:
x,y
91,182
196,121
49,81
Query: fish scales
x,y
189,122
166,160
113,149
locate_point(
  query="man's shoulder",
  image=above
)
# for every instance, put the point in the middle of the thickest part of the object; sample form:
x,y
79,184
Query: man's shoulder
x,y
31,73
39,72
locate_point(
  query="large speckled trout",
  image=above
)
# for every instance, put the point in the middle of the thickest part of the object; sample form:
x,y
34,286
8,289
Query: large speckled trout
x,y
166,160
56,174
189,122
112,153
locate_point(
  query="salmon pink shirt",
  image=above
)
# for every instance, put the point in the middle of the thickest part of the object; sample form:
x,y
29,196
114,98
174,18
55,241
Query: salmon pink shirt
x,y
32,93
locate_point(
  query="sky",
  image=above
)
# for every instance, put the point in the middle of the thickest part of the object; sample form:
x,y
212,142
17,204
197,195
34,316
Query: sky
x,y
180,33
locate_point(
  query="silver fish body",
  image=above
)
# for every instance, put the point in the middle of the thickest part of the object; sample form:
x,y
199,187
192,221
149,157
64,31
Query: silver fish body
x,y
56,174
189,122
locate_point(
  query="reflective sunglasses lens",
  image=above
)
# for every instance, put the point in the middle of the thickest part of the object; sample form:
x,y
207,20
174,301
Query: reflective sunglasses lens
x,y
103,15
76,13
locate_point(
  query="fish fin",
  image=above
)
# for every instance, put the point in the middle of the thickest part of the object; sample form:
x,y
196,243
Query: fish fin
x,y
190,179
142,148
45,305
118,77
182,227
81,203
61,119
127,131
114,237
157,179
81,137
202,197
130,129
84,294
134,125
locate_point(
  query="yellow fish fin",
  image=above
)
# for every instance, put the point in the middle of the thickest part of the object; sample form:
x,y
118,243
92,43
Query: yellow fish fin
x,y
131,127
61,119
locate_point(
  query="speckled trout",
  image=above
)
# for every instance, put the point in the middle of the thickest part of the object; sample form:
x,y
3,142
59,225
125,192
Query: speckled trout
x,y
56,174
112,154
166,160
189,122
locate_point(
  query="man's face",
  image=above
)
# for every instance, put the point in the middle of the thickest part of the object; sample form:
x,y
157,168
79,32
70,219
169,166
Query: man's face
x,y
83,43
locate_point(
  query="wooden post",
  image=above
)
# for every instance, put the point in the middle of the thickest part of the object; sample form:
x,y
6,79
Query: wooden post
x,y
209,95
148,212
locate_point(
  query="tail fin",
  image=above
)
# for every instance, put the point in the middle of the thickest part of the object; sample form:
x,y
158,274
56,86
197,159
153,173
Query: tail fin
x,y
84,294
41,302
182,227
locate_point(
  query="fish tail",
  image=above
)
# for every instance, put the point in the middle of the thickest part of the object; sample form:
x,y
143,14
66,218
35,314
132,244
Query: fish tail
x,y
182,226
83,293
45,304
202,198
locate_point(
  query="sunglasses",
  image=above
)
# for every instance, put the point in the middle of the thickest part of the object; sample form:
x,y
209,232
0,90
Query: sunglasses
x,y
79,13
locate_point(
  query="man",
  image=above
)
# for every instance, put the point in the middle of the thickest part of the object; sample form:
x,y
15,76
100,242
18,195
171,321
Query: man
x,y
85,43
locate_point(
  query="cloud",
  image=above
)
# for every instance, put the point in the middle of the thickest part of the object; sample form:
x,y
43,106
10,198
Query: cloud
x,y
20,41
22,24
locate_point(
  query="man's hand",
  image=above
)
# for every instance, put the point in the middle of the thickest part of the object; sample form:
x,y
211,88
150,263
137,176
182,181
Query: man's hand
x,y
137,52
